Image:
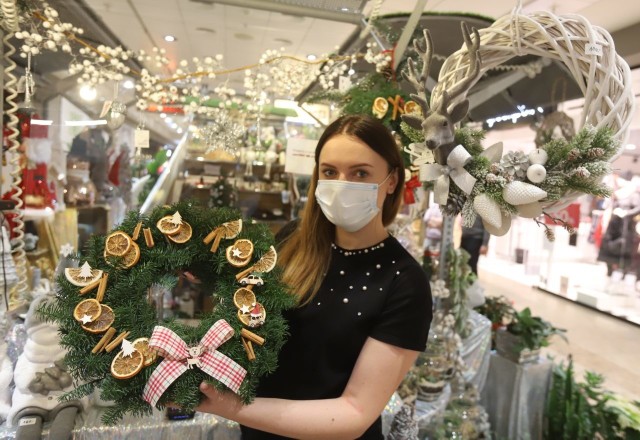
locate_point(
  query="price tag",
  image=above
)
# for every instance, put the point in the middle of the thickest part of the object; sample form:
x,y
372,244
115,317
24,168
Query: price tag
x,y
593,49
28,421
141,139
344,83
105,108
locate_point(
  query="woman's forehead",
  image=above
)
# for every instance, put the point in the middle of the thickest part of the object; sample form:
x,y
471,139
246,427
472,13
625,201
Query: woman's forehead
x,y
344,149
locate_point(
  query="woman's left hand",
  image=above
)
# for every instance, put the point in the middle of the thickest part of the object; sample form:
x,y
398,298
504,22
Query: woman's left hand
x,y
222,403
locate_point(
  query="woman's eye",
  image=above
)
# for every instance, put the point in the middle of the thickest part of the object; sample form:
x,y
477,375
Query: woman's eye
x,y
328,173
361,174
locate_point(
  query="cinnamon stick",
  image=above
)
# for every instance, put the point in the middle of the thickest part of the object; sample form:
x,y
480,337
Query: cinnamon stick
x,y
106,338
89,287
113,344
136,231
102,288
148,238
251,355
252,336
216,242
244,273
210,236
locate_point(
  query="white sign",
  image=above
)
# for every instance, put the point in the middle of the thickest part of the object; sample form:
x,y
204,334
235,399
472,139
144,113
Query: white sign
x,y
593,49
300,156
27,421
141,139
212,170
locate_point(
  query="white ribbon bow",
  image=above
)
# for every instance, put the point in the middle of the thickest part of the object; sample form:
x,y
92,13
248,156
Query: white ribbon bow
x,y
454,169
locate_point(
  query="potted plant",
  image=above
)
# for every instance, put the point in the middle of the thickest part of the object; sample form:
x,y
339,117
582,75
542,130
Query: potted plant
x,y
499,310
523,337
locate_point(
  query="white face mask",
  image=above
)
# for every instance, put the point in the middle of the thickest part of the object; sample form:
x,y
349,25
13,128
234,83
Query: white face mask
x,y
349,205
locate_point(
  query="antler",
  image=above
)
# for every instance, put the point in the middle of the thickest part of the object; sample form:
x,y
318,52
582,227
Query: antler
x,y
473,48
424,48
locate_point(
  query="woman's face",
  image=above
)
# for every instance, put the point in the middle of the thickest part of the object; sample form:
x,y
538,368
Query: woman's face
x,y
347,158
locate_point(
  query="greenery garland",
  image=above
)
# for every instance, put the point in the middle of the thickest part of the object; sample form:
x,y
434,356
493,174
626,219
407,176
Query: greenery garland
x,y
127,294
577,165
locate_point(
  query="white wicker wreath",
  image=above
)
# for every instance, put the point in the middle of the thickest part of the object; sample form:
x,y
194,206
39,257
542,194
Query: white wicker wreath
x,y
587,51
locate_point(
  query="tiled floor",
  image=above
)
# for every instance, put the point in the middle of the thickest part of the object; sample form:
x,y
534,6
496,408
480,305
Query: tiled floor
x,y
598,343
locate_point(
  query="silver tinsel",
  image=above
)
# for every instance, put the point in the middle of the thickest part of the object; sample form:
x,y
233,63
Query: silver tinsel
x,y
222,132
515,163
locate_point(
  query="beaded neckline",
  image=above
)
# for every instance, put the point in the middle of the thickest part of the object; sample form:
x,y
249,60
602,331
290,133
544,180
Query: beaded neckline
x,y
349,252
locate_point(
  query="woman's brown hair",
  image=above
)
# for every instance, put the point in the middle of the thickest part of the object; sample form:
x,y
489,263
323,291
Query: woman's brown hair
x,y
305,255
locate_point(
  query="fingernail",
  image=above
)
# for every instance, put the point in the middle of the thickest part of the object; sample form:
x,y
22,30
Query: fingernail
x,y
204,386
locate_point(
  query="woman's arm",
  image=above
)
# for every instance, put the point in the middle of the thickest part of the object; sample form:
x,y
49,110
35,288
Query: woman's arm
x,y
377,374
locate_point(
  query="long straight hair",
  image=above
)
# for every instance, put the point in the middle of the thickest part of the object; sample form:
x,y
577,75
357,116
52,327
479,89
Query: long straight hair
x,y
306,254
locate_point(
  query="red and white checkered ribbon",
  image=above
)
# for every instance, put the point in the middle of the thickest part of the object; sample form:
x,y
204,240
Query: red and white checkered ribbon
x,y
177,360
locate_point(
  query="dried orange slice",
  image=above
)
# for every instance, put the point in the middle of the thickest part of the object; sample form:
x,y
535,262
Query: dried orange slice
x,y
412,108
87,311
77,277
267,262
380,107
167,226
117,244
102,323
149,354
245,247
132,257
244,297
125,367
183,235
231,229
233,259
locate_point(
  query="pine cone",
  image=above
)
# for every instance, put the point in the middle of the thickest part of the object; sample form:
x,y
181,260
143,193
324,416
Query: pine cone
x,y
515,164
573,155
454,205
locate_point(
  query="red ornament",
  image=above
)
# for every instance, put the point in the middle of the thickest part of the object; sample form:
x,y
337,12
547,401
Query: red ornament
x,y
409,187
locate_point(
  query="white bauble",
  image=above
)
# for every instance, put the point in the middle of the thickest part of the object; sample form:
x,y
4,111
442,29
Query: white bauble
x,y
538,156
504,226
536,173
488,209
521,193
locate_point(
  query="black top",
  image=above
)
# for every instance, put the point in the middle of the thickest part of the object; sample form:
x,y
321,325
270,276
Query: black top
x,y
380,292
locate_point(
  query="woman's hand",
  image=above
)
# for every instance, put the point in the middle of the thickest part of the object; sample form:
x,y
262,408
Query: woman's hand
x,y
217,402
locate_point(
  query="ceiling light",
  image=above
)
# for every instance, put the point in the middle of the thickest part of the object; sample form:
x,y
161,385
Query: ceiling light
x,y
243,36
344,9
128,84
312,57
169,38
630,147
88,93
41,122
85,123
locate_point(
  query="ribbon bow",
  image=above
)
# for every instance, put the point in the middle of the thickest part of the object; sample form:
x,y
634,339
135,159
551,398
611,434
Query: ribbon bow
x,y
409,187
454,169
178,358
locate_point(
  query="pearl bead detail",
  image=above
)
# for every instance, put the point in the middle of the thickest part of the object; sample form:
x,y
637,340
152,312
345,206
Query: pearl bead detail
x,y
345,300
368,274
342,272
364,287
377,266
359,313
318,303
347,253
350,287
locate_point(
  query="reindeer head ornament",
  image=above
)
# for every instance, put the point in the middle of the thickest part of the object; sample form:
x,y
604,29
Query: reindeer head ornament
x,y
438,124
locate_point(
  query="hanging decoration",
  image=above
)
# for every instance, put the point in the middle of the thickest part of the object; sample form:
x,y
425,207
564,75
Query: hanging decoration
x,y
109,298
559,170
222,132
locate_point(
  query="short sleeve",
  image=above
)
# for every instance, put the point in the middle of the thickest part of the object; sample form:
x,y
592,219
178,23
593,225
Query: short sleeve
x,y
406,317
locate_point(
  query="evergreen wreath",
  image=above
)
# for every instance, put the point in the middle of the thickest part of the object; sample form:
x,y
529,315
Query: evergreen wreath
x,y
162,259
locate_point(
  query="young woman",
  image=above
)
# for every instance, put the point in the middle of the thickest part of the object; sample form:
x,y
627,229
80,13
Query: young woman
x,y
364,303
